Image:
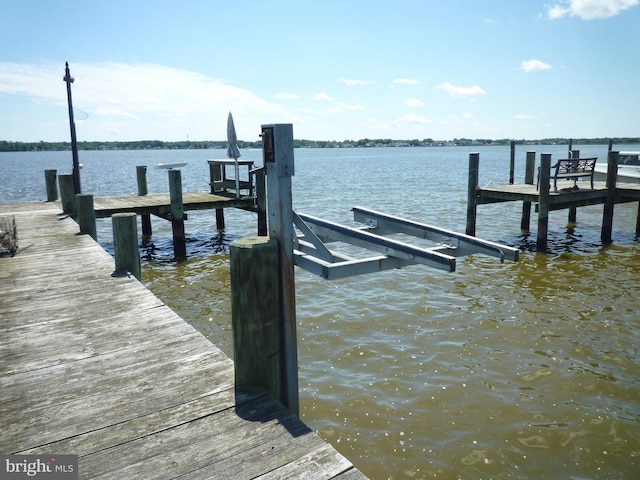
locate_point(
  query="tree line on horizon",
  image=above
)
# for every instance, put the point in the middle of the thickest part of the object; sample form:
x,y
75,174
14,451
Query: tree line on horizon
x,y
9,146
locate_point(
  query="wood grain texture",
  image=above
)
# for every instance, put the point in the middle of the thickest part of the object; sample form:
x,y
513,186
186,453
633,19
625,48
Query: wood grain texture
x,y
97,366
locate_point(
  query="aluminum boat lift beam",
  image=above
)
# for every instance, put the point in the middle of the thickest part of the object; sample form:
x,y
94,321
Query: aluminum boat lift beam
x,y
454,243
313,255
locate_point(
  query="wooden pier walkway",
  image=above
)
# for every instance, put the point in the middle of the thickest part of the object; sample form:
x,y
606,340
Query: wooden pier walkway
x,y
562,199
160,203
97,366
569,197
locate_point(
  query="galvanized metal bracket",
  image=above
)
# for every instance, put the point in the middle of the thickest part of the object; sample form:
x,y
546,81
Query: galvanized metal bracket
x,y
312,254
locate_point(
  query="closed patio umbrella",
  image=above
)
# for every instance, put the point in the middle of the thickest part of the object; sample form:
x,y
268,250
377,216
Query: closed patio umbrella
x,y
233,151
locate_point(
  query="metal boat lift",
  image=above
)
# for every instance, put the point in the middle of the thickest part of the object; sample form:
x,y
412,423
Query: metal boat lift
x,y
312,253
308,249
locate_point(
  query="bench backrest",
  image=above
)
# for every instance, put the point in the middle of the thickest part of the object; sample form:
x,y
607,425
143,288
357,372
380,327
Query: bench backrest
x,y
575,165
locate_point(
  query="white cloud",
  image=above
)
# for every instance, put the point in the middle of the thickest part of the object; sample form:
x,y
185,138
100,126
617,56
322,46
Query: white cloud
x,y
413,118
114,112
534,66
322,96
139,100
589,9
468,116
348,106
461,91
337,106
414,102
287,96
355,83
405,81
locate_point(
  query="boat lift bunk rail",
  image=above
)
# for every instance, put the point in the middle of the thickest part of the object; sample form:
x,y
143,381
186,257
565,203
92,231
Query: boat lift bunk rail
x,y
313,255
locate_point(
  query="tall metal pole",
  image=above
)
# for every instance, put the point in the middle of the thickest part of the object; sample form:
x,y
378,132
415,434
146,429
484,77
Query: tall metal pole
x,y
74,144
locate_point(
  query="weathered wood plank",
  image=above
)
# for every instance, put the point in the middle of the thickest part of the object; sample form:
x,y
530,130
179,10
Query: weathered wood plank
x,y
160,203
324,462
99,367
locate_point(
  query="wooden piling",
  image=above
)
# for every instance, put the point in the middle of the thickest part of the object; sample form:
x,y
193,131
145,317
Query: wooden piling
x,y
261,201
67,194
255,306
125,244
215,175
474,165
512,162
543,205
86,215
573,211
177,214
52,187
529,174
607,213
145,219
278,151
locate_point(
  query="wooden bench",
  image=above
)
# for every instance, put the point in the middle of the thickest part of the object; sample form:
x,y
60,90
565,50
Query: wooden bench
x,y
574,168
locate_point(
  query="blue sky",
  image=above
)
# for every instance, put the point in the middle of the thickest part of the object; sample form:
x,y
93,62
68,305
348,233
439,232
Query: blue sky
x,y
335,69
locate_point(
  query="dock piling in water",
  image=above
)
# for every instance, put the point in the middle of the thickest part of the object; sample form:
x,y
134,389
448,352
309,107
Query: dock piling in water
x,y
573,211
512,162
145,218
215,175
543,204
474,164
607,212
177,214
529,174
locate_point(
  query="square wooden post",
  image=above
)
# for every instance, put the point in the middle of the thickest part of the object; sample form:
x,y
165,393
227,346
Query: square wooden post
x,y
277,141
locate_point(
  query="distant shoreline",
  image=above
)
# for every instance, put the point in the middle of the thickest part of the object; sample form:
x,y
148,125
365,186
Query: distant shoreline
x,y
8,146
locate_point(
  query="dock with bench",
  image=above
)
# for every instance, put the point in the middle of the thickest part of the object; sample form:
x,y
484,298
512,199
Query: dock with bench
x,y
96,366
546,199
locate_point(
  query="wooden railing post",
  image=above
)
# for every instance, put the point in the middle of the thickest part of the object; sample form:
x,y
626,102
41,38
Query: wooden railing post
x,y
607,214
145,219
125,244
474,165
177,214
52,187
529,174
86,215
543,205
255,307
67,194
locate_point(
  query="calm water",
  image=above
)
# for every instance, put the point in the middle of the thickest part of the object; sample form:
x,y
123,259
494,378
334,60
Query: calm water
x,y
525,370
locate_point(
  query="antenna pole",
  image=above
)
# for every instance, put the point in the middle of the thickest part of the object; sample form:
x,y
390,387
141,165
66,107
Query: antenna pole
x,y
74,143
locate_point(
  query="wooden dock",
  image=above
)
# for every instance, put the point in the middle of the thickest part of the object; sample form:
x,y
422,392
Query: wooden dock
x,y
569,195
160,203
564,198
97,366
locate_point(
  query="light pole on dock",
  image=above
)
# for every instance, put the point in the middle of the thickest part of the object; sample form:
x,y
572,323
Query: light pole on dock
x,y
74,144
